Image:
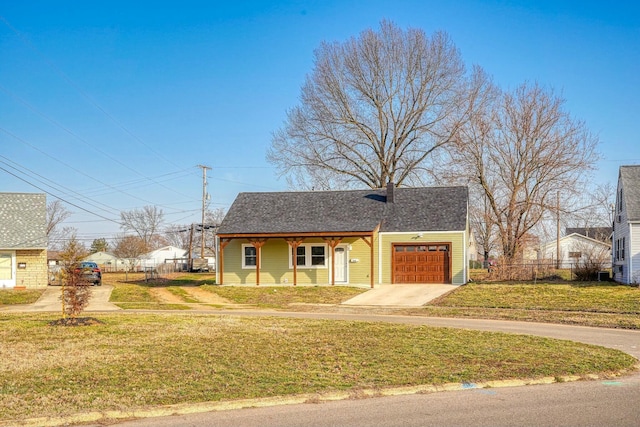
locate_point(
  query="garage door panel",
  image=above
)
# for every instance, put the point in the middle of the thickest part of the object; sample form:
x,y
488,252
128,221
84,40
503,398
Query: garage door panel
x,y
421,263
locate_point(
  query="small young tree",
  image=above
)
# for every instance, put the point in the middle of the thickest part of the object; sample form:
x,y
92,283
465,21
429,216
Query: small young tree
x,y
76,292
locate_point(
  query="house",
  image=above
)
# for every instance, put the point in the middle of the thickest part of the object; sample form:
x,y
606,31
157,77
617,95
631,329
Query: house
x,y
108,261
381,236
169,256
23,240
574,248
626,227
599,233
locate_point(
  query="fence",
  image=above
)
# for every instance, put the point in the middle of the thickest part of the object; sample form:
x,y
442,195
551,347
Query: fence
x,y
548,270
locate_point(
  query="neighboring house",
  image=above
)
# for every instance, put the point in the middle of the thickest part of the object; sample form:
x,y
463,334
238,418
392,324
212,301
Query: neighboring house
x,y
166,255
108,261
383,236
599,233
575,248
626,227
23,240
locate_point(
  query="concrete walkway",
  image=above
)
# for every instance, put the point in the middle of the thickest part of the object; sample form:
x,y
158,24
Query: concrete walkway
x,y
400,295
50,301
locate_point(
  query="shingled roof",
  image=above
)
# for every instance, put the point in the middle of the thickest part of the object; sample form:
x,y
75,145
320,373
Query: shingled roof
x,y
630,176
412,209
23,221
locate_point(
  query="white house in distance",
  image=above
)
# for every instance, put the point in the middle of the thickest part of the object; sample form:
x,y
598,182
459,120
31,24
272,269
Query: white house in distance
x,y
165,255
626,227
108,261
573,248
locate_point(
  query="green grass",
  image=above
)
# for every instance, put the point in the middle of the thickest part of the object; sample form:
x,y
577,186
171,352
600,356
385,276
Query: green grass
x,y
586,297
587,304
19,296
142,360
282,297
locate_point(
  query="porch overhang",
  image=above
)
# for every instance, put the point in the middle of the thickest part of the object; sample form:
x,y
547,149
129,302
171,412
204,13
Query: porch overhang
x,y
294,239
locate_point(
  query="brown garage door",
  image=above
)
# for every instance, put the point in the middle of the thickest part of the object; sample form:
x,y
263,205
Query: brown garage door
x,y
421,263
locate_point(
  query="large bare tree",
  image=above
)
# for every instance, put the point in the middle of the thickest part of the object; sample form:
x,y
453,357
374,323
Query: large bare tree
x,y
145,222
520,153
373,110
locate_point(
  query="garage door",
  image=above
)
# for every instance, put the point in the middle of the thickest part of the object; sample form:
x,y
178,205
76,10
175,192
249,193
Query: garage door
x,y
421,263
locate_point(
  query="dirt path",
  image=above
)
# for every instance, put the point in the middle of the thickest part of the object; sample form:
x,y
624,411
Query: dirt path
x,y
206,297
164,296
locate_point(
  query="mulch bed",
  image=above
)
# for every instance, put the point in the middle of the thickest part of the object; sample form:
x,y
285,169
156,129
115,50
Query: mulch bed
x,y
78,321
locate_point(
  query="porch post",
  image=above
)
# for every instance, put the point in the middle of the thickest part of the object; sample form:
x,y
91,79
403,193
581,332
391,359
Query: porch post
x,y
258,244
293,246
223,244
370,243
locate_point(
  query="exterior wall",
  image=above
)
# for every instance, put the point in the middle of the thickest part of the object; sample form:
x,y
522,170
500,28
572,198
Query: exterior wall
x,y
458,240
623,229
34,275
634,253
275,269
574,243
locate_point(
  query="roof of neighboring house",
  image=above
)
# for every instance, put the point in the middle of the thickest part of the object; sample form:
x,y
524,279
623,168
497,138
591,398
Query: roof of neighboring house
x,y
23,221
412,209
174,250
578,237
630,177
599,233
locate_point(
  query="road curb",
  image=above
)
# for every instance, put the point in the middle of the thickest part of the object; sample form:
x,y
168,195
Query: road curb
x,y
195,408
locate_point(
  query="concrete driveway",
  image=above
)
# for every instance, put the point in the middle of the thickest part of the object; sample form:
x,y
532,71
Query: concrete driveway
x,y
400,295
50,301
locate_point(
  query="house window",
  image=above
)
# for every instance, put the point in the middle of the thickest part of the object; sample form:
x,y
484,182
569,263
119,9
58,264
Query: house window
x,y
309,256
575,254
249,256
622,248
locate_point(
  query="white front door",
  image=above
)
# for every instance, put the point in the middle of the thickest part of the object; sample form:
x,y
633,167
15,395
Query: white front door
x,y
341,264
7,269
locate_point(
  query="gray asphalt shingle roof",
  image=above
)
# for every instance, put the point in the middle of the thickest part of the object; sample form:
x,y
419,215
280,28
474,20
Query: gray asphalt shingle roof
x,y
630,176
23,221
413,209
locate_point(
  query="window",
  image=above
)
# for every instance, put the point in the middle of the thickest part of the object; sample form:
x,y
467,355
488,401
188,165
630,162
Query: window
x,y
249,256
309,256
317,255
622,248
575,254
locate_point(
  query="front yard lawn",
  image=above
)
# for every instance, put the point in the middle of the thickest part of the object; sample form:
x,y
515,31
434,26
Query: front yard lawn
x,y
143,360
588,304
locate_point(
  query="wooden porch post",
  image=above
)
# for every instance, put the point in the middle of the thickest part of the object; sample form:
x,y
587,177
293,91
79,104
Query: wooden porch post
x,y
223,244
370,243
258,244
333,242
293,245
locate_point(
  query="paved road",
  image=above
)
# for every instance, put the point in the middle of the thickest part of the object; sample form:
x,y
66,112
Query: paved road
x,y
584,403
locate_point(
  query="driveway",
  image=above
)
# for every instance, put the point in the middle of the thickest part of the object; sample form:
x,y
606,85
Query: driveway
x,y
50,301
400,295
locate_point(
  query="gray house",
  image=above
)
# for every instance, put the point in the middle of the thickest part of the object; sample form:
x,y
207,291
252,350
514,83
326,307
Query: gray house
x,y
626,227
23,240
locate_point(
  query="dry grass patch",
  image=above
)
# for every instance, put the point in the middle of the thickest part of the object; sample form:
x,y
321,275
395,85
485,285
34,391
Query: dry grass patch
x,y
143,360
20,296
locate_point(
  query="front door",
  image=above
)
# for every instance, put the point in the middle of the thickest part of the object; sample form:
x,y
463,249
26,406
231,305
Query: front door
x,y
341,265
7,269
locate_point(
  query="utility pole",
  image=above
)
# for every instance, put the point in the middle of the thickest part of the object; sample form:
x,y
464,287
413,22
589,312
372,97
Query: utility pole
x,y
204,200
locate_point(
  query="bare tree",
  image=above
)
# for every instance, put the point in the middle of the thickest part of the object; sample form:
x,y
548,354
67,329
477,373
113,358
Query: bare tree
x,y
56,214
75,291
373,110
129,247
145,222
520,151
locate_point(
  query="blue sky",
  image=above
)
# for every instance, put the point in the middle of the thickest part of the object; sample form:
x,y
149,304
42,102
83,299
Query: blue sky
x,y
111,105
